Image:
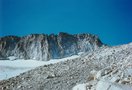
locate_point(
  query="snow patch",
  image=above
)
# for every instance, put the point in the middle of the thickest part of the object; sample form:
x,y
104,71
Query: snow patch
x,y
12,67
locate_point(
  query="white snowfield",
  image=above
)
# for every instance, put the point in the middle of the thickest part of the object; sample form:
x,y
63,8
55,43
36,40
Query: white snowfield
x,y
13,67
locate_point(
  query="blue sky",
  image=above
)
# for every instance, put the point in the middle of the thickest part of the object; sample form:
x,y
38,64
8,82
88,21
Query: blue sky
x,y
111,20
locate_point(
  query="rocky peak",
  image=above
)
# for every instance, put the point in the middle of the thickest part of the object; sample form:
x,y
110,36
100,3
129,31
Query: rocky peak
x,y
45,47
7,45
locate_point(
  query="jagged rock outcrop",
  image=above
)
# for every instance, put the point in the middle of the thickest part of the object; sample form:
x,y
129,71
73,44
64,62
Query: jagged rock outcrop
x,y
7,46
45,47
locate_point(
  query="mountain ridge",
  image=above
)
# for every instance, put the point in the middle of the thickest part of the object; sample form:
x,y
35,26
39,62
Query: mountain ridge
x,y
45,47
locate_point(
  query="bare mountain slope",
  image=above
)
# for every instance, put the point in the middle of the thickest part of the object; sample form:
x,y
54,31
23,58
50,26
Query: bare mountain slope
x,y
88,68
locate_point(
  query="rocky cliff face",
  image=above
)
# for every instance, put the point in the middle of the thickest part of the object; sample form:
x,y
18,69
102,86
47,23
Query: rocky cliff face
x,y
7,46
46,47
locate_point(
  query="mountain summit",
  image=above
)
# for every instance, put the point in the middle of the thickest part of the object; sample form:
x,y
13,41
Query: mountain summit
x,y
45,47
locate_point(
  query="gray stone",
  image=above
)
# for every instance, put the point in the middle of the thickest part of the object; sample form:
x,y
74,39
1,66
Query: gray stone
x,y
45,47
